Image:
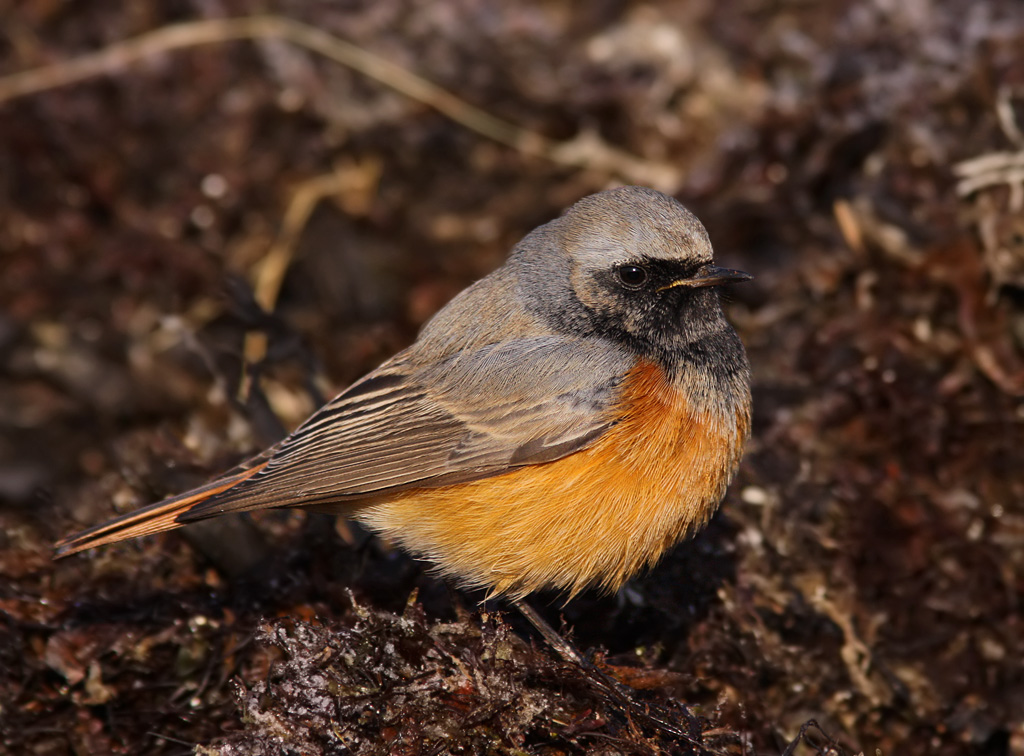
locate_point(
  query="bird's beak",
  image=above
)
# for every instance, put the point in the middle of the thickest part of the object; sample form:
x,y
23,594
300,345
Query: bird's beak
x,y
710,275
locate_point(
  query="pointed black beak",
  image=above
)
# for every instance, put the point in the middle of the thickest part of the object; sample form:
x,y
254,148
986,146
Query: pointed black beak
x,y
710,275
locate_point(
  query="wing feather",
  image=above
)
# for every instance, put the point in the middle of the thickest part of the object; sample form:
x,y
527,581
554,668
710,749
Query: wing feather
x,y
477,414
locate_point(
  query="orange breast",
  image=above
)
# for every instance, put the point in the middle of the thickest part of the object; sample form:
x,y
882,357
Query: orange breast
x,y
594,517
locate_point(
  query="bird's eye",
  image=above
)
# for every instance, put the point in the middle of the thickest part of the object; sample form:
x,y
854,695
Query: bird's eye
x,y
631,276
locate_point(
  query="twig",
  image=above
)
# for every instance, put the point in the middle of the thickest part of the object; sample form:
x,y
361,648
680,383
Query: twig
x,y
1007,119
996,168
849,226
585,151
269,272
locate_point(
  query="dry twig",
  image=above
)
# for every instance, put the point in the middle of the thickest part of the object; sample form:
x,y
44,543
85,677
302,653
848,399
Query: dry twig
x,y
585,151
996,168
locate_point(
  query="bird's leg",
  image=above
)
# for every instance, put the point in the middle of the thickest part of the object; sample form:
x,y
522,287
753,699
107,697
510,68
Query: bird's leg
x,y
622,695
564,648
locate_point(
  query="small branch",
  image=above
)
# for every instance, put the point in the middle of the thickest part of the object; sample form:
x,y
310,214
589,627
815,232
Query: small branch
x,y
586,151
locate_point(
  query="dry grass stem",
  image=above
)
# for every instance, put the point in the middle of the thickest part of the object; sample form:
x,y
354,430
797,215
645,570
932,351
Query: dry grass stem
x,y
587,151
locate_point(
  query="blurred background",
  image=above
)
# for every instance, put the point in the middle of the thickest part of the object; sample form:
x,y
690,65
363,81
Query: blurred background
x,y
207,232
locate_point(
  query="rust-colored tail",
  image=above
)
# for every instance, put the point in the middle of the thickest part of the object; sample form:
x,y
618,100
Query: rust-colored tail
x,y
163,515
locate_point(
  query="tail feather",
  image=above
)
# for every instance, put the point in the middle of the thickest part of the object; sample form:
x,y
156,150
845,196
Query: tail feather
x,y
163,515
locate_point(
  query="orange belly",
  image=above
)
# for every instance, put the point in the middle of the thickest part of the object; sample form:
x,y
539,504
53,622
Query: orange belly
x,y
594,517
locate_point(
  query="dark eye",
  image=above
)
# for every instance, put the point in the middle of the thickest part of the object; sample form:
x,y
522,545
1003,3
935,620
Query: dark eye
x,y
631,276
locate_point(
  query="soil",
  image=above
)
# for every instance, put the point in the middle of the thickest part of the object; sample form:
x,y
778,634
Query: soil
x,y
859,592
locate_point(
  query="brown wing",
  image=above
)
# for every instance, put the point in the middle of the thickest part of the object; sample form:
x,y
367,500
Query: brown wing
x,y
476,414
472,416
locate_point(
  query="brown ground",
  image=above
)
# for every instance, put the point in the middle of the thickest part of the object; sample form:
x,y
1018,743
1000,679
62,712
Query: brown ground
x,y
867,570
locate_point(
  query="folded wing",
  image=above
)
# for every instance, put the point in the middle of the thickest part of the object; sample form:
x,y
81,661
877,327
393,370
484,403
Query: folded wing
x,y
477,414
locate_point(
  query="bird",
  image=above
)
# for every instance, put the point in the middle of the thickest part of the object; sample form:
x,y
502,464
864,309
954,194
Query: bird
x,y
559,425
